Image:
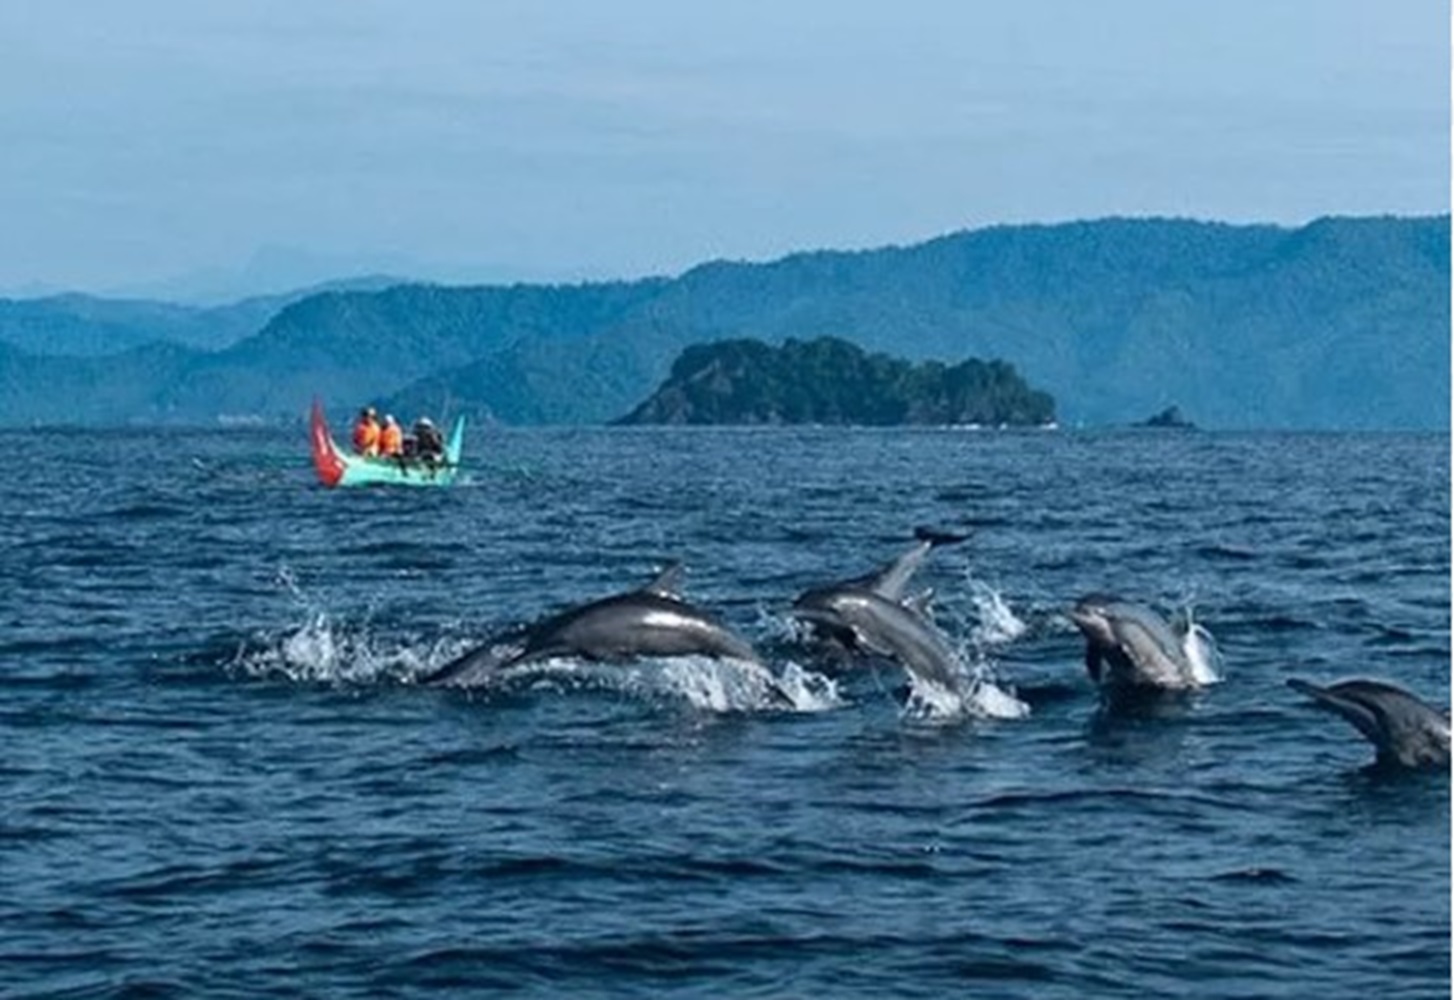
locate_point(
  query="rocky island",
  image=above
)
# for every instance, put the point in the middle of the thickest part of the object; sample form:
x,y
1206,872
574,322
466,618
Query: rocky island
x,y
831,381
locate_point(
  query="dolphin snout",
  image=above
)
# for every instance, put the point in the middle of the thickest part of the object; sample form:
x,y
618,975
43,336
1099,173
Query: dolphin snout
x,y
1093,623
1086,618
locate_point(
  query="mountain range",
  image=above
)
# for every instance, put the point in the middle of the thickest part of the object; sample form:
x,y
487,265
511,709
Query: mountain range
x,y
1340,323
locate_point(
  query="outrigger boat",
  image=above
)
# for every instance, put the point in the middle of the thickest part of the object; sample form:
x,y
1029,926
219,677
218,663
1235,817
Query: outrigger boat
x,y
337,467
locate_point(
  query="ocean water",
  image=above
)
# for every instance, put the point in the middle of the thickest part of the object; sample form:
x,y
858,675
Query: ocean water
x,y
221,778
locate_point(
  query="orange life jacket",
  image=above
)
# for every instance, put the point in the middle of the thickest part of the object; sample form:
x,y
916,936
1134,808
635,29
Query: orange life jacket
x,y
366,436
391,440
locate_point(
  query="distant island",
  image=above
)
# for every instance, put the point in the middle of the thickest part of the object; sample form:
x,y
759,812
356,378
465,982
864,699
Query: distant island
x,y
832,381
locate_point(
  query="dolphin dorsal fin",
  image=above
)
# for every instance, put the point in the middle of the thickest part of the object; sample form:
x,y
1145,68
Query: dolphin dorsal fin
x,y
667,583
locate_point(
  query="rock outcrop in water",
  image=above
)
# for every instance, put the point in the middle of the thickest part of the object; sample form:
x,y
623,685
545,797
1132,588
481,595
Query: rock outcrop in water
x,y
1170,418
830,381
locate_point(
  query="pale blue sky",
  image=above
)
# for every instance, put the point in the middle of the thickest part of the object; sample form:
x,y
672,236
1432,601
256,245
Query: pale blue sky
x,y
145,139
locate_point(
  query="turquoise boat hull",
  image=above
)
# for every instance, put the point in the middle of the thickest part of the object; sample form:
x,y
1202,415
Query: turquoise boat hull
x,y
337,467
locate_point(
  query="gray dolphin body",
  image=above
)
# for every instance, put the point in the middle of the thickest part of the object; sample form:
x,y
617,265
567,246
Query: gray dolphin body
x,y
1404,730
869,614
1128,646
652,621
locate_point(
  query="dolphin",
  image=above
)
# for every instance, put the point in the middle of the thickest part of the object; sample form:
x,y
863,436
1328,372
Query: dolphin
x,y
1404,731
652,621
1128,646
870,615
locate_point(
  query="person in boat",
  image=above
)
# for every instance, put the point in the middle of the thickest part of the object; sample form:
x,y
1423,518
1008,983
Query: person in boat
x,y
428,442
366,432
391,438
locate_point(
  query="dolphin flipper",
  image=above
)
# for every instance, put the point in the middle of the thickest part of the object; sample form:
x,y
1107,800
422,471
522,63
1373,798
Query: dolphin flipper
x,y
829,626
1094,661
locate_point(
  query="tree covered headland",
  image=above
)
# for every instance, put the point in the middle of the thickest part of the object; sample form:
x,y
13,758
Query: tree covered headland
x,y
831,381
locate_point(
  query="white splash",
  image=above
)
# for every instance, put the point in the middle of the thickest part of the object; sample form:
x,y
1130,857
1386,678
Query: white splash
x,y
1201,652
997,702
975,698
977,694
808,690
998,625
721,685
775,626
320,651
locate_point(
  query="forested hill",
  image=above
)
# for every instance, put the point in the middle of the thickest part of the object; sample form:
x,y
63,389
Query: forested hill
x,y
1342,323
830,381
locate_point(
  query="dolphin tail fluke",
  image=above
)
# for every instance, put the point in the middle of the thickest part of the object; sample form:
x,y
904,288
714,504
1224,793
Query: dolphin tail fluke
x,y
936,538
889,581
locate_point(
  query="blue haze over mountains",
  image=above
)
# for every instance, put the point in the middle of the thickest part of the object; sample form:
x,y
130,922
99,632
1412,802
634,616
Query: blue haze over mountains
x,y
1340,324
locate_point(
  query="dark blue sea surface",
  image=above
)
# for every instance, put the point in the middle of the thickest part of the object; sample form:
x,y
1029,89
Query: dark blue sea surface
x,y
222,777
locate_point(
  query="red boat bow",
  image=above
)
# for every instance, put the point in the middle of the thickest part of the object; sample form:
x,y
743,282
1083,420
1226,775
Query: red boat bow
x,y
325,454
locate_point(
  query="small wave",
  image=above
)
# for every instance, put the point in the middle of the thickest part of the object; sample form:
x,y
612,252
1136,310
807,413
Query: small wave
x,y
473,755
1258,876
1226,552
147,511
1112,797
1279,622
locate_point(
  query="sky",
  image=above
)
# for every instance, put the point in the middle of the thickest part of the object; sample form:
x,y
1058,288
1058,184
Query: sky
x,y
206,147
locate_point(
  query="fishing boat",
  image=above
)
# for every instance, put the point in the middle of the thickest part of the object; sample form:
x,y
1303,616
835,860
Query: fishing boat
x,y
336,467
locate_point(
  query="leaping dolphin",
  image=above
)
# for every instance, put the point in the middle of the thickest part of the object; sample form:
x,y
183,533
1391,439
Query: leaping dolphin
x,y
870,614
1128,646
1404,731
652,621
